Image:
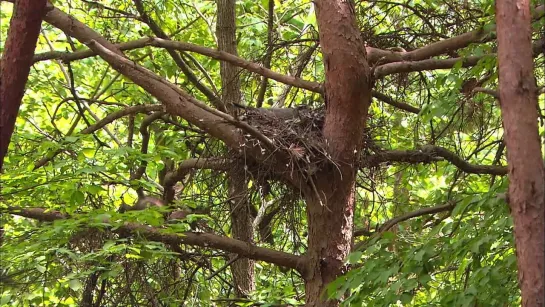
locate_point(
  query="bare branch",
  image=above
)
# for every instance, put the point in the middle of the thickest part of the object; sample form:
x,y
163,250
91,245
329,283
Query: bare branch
x,y
429,154
463,164
237,61
208,240
400,105
398,219
375,55
432,64
199,163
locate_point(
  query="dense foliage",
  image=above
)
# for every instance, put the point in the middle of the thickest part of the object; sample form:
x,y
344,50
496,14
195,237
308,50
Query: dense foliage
x,y
461,254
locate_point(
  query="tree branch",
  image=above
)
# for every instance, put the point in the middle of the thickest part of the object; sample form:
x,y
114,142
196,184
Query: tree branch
x,y
400,105
178,59
375,55
432,64
101,123
429,154
207,240
200,163
398,219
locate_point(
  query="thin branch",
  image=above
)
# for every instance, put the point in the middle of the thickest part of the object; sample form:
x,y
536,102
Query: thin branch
x,y
101,123
148,120
177,57
429,154
398,219
400,105
268,55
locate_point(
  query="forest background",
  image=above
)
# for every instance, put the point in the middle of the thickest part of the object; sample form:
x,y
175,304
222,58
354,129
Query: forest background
x,y
318,153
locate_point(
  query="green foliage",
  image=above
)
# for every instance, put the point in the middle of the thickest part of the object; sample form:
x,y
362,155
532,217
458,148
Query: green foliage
x,y
462,257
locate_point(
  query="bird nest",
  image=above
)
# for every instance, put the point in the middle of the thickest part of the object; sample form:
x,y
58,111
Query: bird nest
x,y
297,131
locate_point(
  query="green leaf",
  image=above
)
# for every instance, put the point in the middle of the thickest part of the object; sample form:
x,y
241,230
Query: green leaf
x,y
89,152
77,197
75,284
354,257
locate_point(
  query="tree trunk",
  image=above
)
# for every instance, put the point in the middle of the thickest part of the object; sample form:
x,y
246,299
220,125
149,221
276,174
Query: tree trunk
x,y
518,103
23,34
241,222
330,207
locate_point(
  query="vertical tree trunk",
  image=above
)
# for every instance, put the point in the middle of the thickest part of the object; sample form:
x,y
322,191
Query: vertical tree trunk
x,y
242,269
23,34
348,95
518,103
241,223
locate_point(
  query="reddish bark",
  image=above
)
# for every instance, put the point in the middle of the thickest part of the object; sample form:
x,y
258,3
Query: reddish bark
x,y
526,176
330,207
18,53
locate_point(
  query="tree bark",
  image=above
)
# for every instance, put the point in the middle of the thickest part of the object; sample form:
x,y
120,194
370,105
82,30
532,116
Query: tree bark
x,y
241,221
518,103
23,34
330,207
241,229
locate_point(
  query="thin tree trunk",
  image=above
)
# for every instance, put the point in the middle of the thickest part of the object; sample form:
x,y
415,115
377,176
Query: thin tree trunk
x,y
241,223
518,103
330,207
242,269
23,34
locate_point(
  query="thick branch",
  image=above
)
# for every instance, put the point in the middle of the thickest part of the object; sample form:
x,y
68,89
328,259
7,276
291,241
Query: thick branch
x,y
237,61
441,47
432,64
198,163
207,240
463,164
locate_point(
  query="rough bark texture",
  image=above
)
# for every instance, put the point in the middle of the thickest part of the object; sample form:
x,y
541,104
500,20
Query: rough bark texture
x,y
242,269
348,95
23,34
518,105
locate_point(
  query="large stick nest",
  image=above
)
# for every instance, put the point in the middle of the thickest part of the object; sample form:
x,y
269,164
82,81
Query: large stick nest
x,y
297,131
